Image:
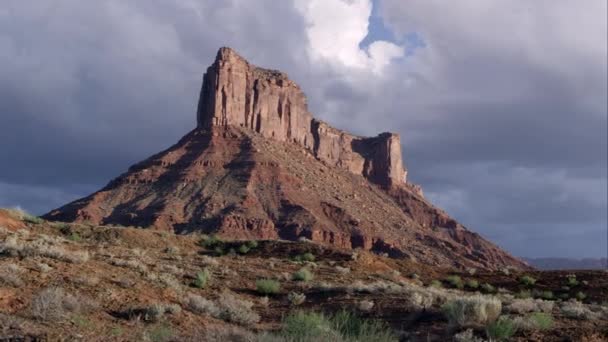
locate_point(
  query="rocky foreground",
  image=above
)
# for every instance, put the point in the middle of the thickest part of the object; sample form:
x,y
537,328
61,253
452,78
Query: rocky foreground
x,y
82,282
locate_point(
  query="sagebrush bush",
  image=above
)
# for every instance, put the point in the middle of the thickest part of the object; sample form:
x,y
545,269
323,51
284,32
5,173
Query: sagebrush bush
x,y
488,288
53,304
45,246
455,281
267,286
295,298
527,280
303,274
472,284
228,307
474,310
501,330
343,326
201,279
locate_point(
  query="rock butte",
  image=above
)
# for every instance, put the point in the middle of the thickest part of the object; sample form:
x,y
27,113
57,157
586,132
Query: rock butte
x,y
259,166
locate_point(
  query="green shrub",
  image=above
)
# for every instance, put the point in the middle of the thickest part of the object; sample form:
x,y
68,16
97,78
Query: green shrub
x,y
343,326
252,244
243,249
572,281
501,330
580,296
268,286
436,284
524,294
303,274
455,281
477,309
32,219
541,320
74,236
211,242
202,278
305,257
160,333
547,295
472,284
488,288
527,280
219,251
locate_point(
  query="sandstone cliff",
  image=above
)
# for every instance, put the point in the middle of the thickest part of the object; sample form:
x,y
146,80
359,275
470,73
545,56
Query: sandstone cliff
x,y
259,166
236,93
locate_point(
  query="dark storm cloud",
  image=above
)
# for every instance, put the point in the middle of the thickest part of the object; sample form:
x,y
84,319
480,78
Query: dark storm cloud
x,y
88,88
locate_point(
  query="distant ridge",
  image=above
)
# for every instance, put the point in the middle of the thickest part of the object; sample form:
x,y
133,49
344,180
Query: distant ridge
x,y
568,264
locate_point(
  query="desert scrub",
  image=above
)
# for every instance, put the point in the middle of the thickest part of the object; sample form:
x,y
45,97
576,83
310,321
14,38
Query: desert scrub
x,y
436,284
577,310
305,257
20,214
571,280
488,288
474,310
267,286
473,284
252,244
580,296
243,249
296,298
201,279
303,274
343,326
9,275
54,303
541,320
45,246
522,306
211,242
455,281
228,307
160,333
527,280
523,294
501,330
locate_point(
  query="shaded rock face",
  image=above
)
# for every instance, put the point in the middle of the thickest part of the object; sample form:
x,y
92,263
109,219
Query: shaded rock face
x,y
258,166
236,93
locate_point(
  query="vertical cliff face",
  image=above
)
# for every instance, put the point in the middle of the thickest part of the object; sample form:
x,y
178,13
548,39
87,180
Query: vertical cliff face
x,y
259,166
236,93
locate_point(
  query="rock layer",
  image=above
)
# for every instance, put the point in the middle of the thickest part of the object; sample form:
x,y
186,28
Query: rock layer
x,y
258,166
236,93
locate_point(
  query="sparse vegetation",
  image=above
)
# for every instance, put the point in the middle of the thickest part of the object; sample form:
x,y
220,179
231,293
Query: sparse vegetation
x,y
303,274
527,280
476,309
228,307
252,244
580,296
243,249
296,298
473,284
43,247
436,284
501,330
571,280
541,320
488,288
267,286
455,281
305,257
344,326
53,304
201,279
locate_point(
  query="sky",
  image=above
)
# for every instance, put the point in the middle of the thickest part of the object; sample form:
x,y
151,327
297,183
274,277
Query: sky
x,y
501,105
